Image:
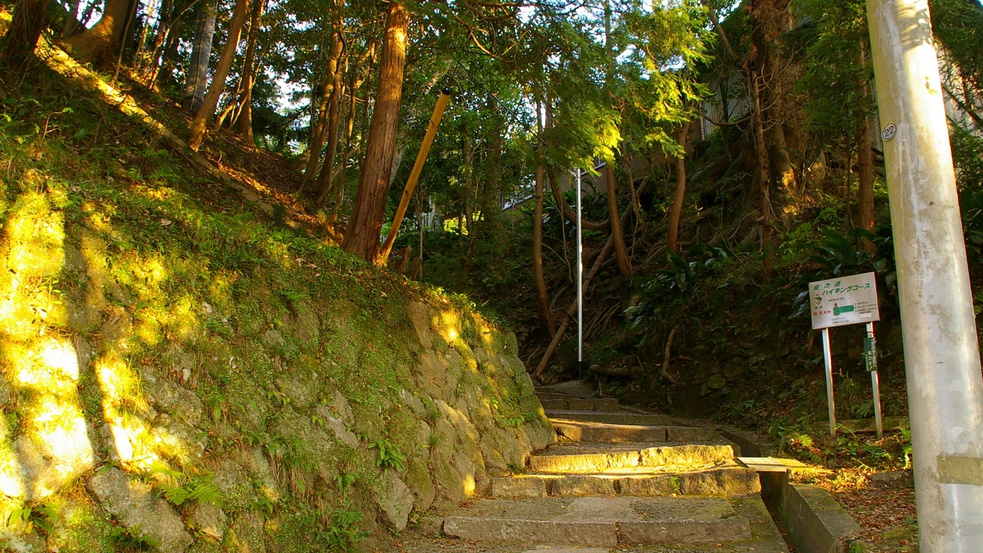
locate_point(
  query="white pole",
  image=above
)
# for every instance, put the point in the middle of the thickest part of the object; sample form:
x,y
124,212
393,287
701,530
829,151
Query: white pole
x,y
875,382
580,287
830,402
942,360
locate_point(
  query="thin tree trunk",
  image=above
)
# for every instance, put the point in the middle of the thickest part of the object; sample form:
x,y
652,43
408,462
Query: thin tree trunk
x,y
771,18
325,178
316,140
148,71
17,46
200,123
620,251
196,83
404,201
338,193
362,235
169,56
127,38
763,178
675,212
542,295
244,122
138,56
865,162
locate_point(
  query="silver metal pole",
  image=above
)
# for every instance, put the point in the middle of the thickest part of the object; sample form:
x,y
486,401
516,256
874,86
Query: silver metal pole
x,y
875,382
580,286
828,359
942,359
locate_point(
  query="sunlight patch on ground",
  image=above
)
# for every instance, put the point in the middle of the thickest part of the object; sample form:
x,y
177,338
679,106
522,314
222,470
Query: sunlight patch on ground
x,y
47,444
124,409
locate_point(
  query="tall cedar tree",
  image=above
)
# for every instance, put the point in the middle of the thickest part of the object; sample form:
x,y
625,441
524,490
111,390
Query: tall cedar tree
x,y
362,236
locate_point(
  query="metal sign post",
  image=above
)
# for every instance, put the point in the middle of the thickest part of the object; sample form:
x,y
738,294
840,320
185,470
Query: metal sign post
x,y
828,359
870,359
845,301
580,288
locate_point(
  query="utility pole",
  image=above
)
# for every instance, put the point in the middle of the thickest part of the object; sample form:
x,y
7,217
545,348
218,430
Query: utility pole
x,y
942,358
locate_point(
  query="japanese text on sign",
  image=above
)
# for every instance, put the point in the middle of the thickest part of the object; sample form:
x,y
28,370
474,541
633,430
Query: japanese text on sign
x,y
843,301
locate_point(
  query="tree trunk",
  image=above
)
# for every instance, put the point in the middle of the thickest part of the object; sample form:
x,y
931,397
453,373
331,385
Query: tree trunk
x,y
542,295
762,178
200,123
99,43
317,139
168,11
338,190
140,57
325,178
772,19
17,46
362,235
865,163
620,251
201,51
244,122
865,187
675,212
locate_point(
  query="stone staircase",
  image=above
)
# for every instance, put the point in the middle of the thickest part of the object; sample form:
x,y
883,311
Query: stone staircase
x,y
621,480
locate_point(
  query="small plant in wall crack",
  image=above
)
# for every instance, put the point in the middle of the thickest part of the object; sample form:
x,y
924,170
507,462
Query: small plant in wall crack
x,y
389,455
177,487
343,534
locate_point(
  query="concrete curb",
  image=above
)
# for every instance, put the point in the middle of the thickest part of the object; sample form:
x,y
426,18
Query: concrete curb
x,y
813,520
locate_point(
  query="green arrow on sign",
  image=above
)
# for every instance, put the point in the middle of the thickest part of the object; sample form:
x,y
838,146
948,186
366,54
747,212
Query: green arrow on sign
x,y
837,311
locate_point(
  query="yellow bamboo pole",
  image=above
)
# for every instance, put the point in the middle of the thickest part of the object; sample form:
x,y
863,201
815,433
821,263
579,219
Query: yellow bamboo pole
x,y
421,158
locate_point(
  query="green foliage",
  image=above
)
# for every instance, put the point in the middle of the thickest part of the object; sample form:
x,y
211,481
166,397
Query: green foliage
x,y
389,455
343,534
27,519
840,255
838,74
676,281
127,542
958,25
177,487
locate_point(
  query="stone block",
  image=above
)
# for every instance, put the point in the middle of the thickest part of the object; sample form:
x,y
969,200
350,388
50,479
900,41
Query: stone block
x,y
690,434
525,487
579,486
532,531
662,484
684,532
139,510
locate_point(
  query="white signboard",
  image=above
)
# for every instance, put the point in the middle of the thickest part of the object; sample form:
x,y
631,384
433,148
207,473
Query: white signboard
x,y
843,301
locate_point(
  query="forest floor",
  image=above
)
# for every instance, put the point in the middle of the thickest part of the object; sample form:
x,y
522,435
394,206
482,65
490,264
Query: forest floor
x,y
883,504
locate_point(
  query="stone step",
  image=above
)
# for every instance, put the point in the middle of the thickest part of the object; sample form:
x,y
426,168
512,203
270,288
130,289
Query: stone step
x,y
615,417
585,458
545,394
579,404
600,521
727,481
589,431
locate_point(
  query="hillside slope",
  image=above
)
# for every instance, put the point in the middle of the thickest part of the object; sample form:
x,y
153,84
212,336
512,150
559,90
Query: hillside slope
x,y
182,369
